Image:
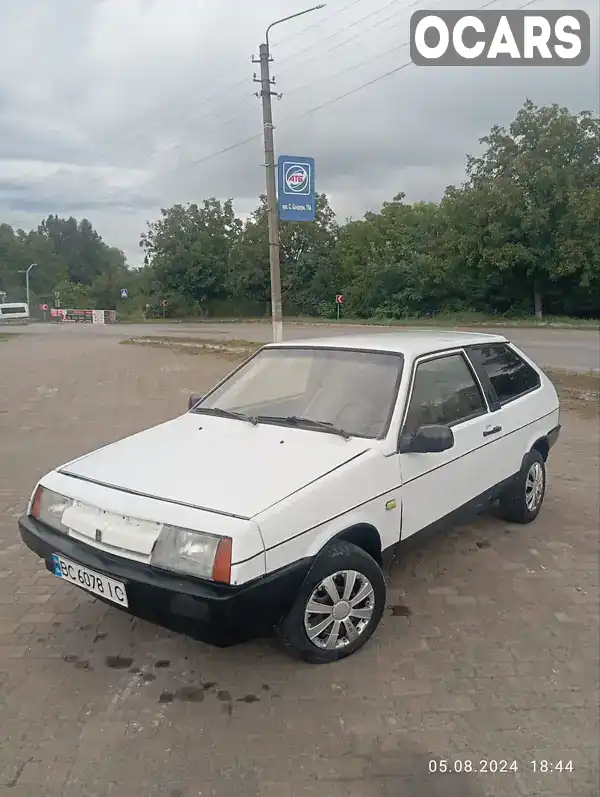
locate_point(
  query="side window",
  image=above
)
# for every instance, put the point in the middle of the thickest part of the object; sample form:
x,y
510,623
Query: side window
x,y
444,392
509,374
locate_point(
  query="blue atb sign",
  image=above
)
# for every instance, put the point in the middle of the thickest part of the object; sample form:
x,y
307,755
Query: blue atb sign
x,y
296,188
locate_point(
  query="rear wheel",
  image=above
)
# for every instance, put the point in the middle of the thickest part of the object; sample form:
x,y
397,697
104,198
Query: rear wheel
x,y
338,607
523,501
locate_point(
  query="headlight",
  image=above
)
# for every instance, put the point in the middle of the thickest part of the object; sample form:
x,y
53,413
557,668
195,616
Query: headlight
x,y
48,507
193,553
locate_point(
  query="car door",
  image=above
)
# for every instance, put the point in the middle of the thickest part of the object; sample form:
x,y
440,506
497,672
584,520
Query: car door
x,y
446,390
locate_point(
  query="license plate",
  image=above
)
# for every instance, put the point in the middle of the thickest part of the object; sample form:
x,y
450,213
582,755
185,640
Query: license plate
x,y
90,580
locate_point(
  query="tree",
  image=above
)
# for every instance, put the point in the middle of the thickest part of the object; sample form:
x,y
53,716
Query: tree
x,y
527,207
309,273
390,261
18,250
188,250
105,290
522,233
78,246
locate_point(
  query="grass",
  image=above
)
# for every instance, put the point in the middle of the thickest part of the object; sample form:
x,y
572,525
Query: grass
x,y
229,348
442,320
205,343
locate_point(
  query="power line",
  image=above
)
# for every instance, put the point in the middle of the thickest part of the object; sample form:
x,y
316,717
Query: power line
x,y
319,23
320,55
229,87
308,112
244,141
349,27
349,68
244,81
223,123
354,66
44,179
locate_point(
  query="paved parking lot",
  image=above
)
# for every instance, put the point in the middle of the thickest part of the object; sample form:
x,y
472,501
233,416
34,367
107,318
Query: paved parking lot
x,y
488,650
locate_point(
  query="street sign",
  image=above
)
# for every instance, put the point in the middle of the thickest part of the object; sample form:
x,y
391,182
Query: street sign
x,y
163,302
123,293
296,188
43,307
339,299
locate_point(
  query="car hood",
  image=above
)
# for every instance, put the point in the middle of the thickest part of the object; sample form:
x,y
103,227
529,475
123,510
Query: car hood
x,y
219,464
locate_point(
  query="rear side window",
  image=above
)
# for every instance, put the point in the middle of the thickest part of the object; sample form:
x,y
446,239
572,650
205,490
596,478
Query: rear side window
x,y
509,374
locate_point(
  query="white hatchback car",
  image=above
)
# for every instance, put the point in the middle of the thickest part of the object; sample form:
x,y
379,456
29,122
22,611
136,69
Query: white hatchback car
x,y
276,500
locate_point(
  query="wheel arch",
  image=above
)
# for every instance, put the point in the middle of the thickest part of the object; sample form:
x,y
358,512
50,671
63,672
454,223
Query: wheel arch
x,y
364,536
542,446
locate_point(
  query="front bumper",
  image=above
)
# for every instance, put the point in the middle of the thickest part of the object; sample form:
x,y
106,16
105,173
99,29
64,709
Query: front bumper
x,y
218,614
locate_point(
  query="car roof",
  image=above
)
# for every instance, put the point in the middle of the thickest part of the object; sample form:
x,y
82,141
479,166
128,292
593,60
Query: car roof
x,y
411,343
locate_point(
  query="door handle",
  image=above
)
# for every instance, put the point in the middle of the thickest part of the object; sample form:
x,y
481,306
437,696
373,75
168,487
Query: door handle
x,y
493,430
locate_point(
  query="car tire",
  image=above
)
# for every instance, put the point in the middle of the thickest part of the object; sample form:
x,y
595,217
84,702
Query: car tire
x,y
523,501
351,572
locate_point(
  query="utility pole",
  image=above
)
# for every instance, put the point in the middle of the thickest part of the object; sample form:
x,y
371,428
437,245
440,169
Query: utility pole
x,y
265,93
272,214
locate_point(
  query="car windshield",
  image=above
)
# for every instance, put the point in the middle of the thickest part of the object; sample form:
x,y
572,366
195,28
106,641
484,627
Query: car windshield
x,y
353,391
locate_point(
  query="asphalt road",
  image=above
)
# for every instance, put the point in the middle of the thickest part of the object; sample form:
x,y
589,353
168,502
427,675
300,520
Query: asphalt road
x,y
569,349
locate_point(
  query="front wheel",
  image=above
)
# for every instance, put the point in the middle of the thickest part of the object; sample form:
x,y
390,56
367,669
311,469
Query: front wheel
x,y
339,605
523,501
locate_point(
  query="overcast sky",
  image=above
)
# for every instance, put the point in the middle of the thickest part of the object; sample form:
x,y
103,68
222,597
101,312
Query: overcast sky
x,y
112,109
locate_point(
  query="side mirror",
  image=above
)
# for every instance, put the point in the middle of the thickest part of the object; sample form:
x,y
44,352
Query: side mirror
x,y
193,400
431,439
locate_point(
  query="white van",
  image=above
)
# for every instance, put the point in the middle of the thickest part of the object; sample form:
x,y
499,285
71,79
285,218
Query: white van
x,y
275,501
14,311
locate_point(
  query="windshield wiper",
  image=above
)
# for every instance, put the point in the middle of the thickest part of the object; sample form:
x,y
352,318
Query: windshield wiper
x,y
225,414
296,420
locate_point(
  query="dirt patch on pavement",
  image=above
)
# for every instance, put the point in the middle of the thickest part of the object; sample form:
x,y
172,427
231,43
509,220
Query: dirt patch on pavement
x,y
577,391
232,349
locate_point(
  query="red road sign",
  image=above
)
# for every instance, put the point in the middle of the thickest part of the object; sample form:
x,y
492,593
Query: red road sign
x,y
339,299
43,307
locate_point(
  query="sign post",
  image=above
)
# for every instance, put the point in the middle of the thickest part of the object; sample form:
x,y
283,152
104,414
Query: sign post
x,y
296,188
339,301
163,304
44,309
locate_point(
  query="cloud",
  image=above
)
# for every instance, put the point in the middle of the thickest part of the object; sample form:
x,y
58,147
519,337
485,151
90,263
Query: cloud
x,y
115,108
